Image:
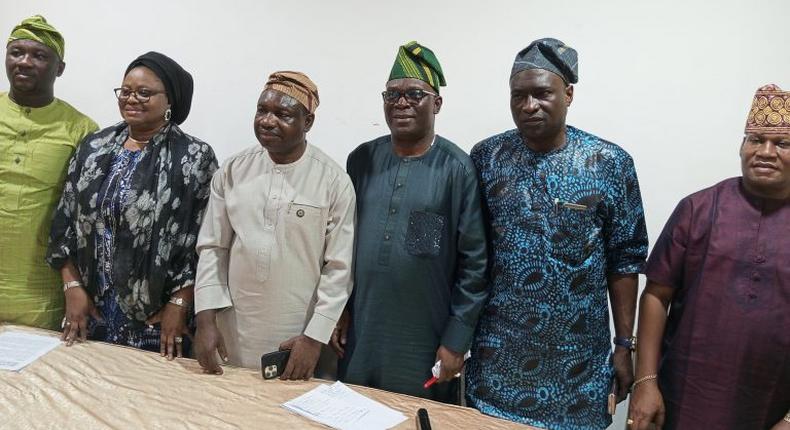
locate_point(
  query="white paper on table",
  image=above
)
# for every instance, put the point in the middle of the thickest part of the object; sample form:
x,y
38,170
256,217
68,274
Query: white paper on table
x,y
18,349
340,407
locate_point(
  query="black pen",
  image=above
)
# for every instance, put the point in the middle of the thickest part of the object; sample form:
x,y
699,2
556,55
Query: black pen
x,y
422,416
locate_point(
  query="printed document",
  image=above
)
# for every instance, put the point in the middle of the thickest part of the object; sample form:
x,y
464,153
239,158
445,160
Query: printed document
x,y
18,349
340,407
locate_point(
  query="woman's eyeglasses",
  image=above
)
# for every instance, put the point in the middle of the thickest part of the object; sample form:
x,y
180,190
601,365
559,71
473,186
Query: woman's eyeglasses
x,y
142,95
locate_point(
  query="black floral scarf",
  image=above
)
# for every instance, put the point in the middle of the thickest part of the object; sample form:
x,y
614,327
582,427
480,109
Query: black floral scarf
x,y
154,253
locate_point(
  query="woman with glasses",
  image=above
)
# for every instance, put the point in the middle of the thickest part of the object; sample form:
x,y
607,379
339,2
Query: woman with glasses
x,y
123,236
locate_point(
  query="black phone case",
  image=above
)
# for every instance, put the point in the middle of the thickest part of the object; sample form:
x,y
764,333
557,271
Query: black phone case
x,y
273,363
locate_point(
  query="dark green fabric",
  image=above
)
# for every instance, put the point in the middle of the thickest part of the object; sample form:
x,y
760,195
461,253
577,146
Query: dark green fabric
x,y
419,265
418,62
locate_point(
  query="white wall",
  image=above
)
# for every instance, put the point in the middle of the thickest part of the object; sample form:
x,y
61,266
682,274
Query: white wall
x,y
670,81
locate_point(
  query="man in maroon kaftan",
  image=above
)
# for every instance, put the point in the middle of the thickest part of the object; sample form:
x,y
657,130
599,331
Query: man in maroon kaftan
x,y
720,359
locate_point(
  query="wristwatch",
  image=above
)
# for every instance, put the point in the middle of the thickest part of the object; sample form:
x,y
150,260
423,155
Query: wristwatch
x,y
71,284
178,301
628,343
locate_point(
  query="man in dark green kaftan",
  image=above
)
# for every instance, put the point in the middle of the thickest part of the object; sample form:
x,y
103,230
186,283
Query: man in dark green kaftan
x,y
421,254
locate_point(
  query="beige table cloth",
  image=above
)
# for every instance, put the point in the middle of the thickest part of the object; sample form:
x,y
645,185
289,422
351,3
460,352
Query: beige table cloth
x,y
96,385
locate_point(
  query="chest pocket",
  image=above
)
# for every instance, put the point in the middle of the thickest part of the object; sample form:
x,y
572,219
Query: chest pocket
x,y
425,233
47,164
306,222
575,230
302,212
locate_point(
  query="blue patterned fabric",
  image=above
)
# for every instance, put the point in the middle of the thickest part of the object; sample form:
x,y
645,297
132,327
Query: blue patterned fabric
x,y
560,222
113,199
115,327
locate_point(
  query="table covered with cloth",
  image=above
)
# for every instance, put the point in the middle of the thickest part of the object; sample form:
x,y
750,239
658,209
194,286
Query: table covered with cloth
x,y
97,386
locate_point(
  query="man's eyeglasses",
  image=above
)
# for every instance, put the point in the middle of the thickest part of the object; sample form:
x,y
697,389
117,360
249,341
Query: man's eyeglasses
x,y
412,96
142,95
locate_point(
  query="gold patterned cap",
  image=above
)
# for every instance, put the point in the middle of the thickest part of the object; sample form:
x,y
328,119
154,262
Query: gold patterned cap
x,y
296,85
770,112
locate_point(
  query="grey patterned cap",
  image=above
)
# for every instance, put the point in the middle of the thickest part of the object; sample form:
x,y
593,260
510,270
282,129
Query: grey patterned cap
x,y
549,54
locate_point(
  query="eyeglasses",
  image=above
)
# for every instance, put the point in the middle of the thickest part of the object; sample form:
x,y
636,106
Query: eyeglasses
x,y
142,95
413,97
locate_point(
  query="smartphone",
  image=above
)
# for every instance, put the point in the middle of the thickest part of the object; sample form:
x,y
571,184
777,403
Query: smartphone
x,y
273,363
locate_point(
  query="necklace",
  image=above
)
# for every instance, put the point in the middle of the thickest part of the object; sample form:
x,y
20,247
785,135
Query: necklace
x,y
424,151
139,142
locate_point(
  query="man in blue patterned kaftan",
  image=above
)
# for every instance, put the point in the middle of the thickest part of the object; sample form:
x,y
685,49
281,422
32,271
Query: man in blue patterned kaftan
x,y
566,226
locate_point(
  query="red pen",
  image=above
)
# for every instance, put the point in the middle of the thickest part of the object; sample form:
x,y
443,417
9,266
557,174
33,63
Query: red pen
x,y
436,370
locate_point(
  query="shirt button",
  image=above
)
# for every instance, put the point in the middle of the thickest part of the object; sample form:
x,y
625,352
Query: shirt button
x,y
277,171
756,277
386,237
759,259
17,160
27,110
392,211
22,133
398,185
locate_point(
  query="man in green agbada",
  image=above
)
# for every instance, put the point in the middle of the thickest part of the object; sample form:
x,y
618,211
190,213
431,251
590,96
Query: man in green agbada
x,y
420,258
38,134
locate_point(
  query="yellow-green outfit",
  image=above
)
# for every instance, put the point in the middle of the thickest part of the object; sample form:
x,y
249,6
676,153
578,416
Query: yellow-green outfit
x,y
35,147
